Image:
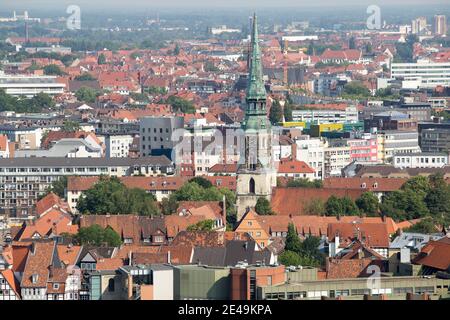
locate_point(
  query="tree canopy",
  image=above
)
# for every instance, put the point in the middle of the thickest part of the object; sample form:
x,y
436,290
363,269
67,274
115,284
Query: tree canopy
x,y
263,207
97,236
181,105
110,196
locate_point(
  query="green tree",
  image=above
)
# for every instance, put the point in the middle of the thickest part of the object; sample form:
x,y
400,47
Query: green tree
x,y
58,187
169,205
356,88
101,59
349,206
304,183
202,182
438,198
352,43
263,207
97,236
181,105
368,203
276,113
290,258
205,225
176,51
42,101
288,111
85,77
53,70
292,240
418,185
333,206
70,126
110,196
315,207
87,95
426,225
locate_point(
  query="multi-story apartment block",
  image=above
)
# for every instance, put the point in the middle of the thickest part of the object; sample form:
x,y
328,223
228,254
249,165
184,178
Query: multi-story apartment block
x,y
118,146
336,157
22,180
420,160
349,115
364,150
421,75
440,25
29,86
311,151
418,25
156,134
391,143
435,140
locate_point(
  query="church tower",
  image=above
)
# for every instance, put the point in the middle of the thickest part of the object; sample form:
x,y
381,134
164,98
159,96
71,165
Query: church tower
x,y
256,175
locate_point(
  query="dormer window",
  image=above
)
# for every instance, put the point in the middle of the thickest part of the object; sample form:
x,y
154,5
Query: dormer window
x,y
34,278
363,185
375,185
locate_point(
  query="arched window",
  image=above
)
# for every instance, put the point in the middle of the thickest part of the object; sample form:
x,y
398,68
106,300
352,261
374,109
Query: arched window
x,y
251,187
111,285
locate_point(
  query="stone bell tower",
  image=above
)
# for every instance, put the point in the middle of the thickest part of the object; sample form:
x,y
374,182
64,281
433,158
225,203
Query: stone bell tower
x,y
256,175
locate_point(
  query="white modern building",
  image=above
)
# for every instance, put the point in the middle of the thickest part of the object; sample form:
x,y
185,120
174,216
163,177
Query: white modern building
x,y
30,85
349,115
312,151
336,157
392,143
420,160
118,146
421,75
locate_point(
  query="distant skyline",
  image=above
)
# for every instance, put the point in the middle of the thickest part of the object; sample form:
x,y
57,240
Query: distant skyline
x,y
255,4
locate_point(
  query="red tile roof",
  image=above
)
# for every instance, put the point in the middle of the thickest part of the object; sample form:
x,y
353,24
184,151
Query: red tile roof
x,y
435,254
365,184
374,235
292,201
38,262
287,166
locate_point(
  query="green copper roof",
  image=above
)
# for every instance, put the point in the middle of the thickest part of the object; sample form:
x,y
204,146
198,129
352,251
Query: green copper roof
x,y
255,88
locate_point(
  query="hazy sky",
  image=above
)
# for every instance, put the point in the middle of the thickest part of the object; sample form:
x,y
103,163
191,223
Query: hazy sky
x,y
55,4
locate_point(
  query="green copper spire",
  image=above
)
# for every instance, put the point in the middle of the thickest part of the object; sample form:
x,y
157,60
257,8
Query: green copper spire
x,y
255,88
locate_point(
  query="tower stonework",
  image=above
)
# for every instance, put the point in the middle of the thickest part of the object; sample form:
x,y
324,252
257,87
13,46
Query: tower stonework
x,y
256,175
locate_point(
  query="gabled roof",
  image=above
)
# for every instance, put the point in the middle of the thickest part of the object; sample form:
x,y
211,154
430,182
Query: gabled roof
x,y
53,222
436,254
13,283
51,200
374,235
39,259
287,166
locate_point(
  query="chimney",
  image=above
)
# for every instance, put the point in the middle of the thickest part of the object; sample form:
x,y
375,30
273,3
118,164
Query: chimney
x,y
294,151
224,208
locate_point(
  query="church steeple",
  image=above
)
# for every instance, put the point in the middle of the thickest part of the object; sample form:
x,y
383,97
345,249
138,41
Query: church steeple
x,y
255,89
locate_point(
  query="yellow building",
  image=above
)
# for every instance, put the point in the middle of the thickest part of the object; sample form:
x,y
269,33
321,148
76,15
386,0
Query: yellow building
x,y
250,225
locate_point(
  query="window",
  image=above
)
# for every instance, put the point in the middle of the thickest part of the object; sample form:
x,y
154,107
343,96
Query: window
x,y
251,187
55,286
111,285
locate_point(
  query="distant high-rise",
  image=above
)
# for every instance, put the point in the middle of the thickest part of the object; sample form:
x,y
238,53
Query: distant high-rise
x,y
418,25
440,25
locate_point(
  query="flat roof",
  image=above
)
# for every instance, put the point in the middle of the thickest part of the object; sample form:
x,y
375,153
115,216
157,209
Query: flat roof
x,y
83,162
